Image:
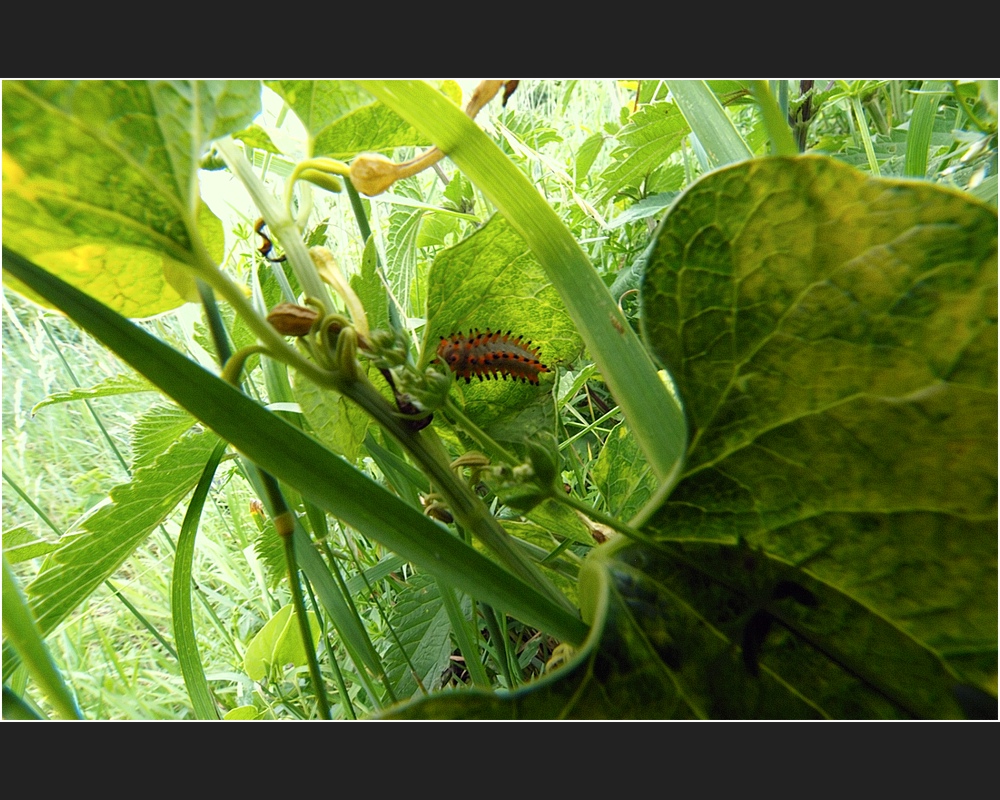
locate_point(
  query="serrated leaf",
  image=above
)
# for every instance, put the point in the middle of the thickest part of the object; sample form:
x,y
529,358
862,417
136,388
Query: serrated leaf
x,y
834,339
155,431
401,250
370,289
19,544
100,181
111,534
492,280
270,550
421,624
123,383
651,135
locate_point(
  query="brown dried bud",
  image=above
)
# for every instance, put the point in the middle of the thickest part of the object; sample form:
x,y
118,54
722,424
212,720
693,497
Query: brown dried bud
x,y
292,320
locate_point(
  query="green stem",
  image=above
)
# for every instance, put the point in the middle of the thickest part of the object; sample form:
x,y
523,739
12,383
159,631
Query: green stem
x,y
498,641
278,222
273,341
304,629
866,139
605,519
466,645
775,122
216,325
338,674
468,509
20,628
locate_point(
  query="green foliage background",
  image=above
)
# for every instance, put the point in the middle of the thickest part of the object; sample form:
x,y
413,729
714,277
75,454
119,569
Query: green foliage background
x,y
821,543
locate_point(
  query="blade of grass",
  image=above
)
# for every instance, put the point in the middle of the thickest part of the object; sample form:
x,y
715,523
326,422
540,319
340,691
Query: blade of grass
x,y
329,585
192,669
460,627
319,689
862,131
710,122
775,121
14,707
918,135
20,630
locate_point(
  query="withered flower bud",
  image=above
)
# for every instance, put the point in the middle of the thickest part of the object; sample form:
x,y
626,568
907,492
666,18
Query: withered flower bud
x,y
292,320
372,173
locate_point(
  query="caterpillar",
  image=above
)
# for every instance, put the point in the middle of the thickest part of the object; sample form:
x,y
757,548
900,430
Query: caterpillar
x,y
489,354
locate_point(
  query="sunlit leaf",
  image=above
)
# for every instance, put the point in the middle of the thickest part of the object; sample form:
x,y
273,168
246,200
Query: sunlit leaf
x,y
100,182
344,120
492,281
279,644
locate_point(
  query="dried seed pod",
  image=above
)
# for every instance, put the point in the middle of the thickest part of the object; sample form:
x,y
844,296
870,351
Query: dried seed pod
x,y
292,320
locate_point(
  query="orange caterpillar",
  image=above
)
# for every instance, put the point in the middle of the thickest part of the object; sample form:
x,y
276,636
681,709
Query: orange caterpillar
x,y
489,354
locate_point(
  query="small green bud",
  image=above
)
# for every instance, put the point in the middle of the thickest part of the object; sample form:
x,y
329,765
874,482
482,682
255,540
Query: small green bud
x,y
321,179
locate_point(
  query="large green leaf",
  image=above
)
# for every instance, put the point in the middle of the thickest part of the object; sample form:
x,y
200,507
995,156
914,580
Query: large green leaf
x,y
834,553
155,430
100,182
492,281
701,631
834,340
344,120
